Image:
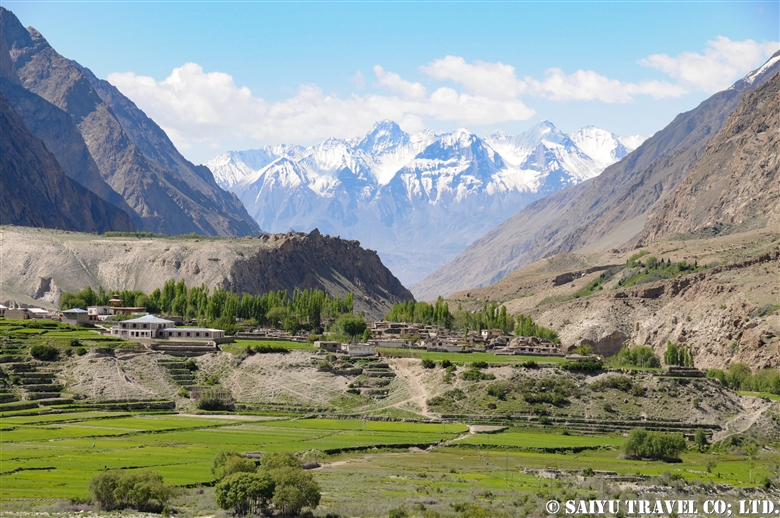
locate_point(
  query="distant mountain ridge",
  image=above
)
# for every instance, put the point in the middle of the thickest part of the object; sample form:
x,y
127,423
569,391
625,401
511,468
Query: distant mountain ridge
x,y
416,199
105,143
602,213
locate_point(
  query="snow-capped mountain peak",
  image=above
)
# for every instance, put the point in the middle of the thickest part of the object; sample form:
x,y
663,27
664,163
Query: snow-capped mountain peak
x,y
413,198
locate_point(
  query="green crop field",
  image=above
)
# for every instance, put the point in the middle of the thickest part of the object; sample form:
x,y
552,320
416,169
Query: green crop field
x,y
48,456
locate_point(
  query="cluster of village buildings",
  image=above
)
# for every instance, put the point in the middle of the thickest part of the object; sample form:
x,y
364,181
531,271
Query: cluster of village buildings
x,y
147,328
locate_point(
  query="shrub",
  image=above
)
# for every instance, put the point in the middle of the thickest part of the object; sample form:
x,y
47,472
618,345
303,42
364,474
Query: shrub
x,y
621,383
142,490
245,493
428,364
582,365
700,439
499,390
654,445
81,351
530,364
215,399
480,365
75,342
45,353
474,374
446,364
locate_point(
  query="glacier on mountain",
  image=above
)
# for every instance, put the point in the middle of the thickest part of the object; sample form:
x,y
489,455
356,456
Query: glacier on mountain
x,y
418,200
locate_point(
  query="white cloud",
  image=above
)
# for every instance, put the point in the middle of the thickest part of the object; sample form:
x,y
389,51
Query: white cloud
x,y
198,107
396,84
494,80
723,62
499,81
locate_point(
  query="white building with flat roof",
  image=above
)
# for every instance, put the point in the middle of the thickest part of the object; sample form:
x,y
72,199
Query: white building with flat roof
x,y
150,326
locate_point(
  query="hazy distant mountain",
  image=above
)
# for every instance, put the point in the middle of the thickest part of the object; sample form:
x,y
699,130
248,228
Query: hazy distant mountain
x,y
130,162
417,199
607,211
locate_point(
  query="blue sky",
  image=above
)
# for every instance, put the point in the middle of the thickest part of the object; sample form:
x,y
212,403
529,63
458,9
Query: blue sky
x,y
235,75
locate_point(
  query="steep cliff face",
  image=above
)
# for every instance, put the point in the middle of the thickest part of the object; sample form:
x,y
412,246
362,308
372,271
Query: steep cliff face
x,y
133,155
35,191
735,185
39,264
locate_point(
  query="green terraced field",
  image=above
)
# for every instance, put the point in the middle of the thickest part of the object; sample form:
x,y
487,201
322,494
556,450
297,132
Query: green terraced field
x,y
60,453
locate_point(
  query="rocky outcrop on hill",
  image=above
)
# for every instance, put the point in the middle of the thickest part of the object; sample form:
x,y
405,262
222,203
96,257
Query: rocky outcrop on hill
x,y
735,185
38,265
605,212
35,191
166,193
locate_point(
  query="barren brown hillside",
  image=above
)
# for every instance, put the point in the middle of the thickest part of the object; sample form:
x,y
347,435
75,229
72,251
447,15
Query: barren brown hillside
x,y
38,265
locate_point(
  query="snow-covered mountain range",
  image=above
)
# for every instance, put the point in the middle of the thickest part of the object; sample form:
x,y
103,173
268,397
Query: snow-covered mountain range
x,y
419,200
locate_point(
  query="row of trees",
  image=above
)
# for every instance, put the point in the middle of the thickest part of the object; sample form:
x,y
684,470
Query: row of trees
x,y
491,316
303,310
739,377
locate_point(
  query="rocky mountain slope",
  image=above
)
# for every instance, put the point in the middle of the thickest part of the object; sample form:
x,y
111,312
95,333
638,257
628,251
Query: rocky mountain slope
x,y
727,313
58,132
128,151
736,184
602,213
39,264
35,191
417,199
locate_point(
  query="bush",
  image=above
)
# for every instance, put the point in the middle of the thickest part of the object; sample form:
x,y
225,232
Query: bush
x,y
216,399
45,353
428,364
621,383
475,374
142,490
445,364
654,445
75,342
245,493
480,365
81,351
582,365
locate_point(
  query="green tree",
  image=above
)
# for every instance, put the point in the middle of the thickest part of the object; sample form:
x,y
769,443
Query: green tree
x,y
654,445
295,489
700,438
245,493
672,354
351,325
280,459
142,490
228,462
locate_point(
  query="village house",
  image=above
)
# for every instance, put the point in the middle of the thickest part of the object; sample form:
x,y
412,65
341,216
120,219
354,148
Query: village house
x,y
150,326
115,307
75,316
